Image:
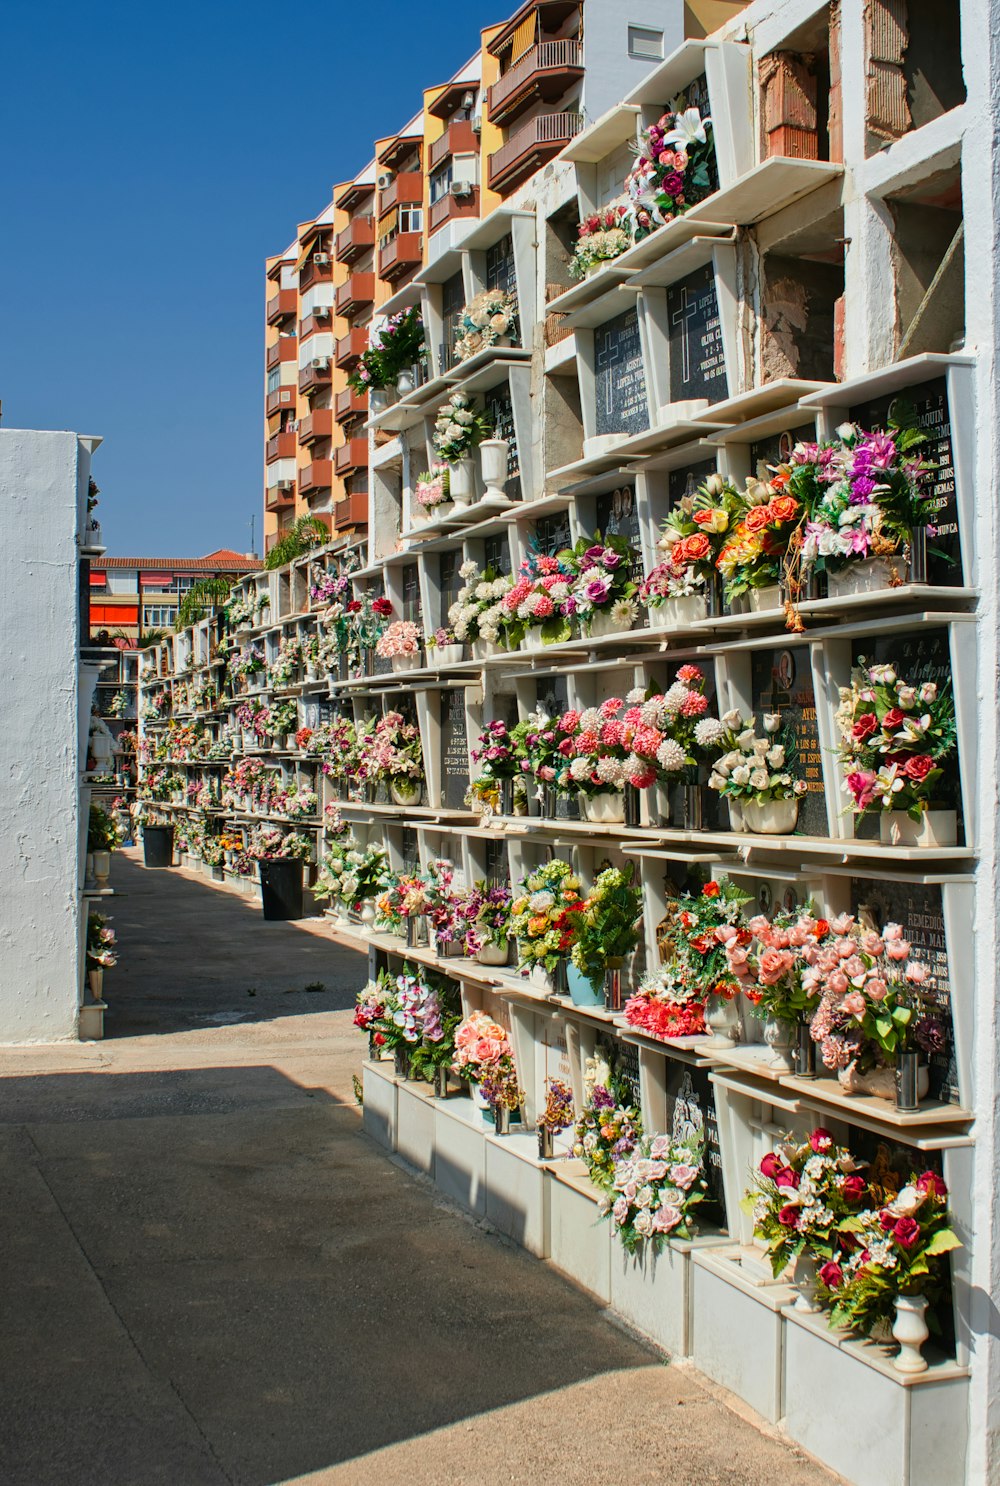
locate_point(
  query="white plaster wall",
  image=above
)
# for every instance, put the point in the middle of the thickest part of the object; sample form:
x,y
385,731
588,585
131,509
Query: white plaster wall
x,y
41,476
611,72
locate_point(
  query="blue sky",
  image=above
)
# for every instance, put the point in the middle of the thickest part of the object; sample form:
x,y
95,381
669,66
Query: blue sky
x,y
153,157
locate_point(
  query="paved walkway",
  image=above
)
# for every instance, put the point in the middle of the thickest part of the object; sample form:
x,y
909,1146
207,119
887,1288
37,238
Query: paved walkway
x,y
212,1276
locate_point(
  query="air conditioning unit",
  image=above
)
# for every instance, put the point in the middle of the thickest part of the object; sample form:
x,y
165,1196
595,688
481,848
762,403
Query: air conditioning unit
x,y
477,124
462,188
320,363
321,258
286,484
292,425
384,181
321,311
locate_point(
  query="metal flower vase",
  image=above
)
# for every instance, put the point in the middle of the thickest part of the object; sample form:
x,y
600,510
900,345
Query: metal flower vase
x,y
546,1142
804,1052
613,986
501,1119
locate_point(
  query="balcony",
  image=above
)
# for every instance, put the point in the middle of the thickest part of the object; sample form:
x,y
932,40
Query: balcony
x,y
316,425
281,446
354,239
281,306
530,147
281,397
350,348
312,272
350,404
352,456
350,512
357,290
317,375
406,189
400,254
316,477
279,500
451,207
285,348
545,71
458,139
319,319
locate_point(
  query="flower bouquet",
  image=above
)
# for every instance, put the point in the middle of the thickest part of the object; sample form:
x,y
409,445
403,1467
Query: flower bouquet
x,y
486,911
654,1191
610,1126
401,644
764,534
601,237
282,720
501,754
873,1018
393,348
674,169
458,430
478,612
682,587
392,751
667,1004
488,320
893,1265
271,844
789,947
404,899
607,929
326,588
710,946
601,590
753,775
482,1048
351,874
897,738
556,1115
537,607
287,663
544,919
431,493
102,953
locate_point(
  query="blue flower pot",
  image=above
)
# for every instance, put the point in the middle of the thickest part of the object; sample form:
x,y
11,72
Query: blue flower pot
x,y
580,988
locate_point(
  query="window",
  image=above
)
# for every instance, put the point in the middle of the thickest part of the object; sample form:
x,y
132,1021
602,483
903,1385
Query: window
x,y
411,218
645,43
441,182
157,616
181,585
274,379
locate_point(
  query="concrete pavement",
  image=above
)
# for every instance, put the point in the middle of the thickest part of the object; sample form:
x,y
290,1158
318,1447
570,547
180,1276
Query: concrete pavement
x,y
213,1276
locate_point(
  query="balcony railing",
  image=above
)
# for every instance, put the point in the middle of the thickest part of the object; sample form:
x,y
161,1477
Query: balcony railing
x,y
402,252
281,306
276,499
546,71
449,207
316,425
458,139
315,374
354,239
529,147
285,348
349,404
353,455
403,190
358,289
351,347
316,476
281,446
350,512
281,397
312,272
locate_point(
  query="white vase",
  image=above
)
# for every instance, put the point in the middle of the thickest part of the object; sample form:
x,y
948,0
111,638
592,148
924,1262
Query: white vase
x,y
601,623
448,655
780,1038
722,1019
408,662
95,979
541,979
770,817
102,868
880,1083
934,828
404,382
871,575
492,954
378,400
478,1097
483,649
737,821
677,613
405,791
764,599
607,808
461,477
290,744
806,1281
443,508
493,461
367,916
910,1330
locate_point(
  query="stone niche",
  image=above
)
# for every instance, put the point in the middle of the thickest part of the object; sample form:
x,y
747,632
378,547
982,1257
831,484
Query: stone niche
x,y
801,297
801,102
913,66
929,265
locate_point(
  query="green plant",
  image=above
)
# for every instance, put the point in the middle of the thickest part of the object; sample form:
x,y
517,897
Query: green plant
x,y
305,533
102,833
201,598
607,929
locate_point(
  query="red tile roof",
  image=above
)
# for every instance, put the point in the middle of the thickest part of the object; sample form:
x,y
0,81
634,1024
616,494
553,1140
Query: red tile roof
x,y
222,561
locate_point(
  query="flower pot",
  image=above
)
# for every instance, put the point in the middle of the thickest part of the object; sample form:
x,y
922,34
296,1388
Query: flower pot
x,y
779,1036
435,513
581,989
541,979
89,868
493,461
158,846
493,954
449,655
607,808
401,1062
367,916
806,1283
290,744
378,400
405,791
281,888
934,828
762,600
770,817
678,613
737,820
880,1082
916,556
723,1021
409,662
602,623
95,979
871,575
483,649
461,477
416,931
910,1330
102,868
405,382
546,1142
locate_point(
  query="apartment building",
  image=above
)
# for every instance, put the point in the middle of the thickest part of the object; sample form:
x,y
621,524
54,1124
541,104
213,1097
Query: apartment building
x,y
537,80
130,595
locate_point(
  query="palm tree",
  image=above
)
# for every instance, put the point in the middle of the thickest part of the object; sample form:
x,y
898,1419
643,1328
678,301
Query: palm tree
x,y
308,531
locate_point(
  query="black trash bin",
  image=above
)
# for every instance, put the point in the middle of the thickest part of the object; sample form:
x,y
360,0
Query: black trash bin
x,y
158,846
281,887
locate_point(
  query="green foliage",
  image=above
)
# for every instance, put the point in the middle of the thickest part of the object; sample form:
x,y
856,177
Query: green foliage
x,y
301,536
201,598
102,833
607,929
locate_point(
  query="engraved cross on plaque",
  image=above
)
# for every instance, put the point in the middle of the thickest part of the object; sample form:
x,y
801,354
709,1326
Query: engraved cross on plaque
x,y
688,309
609,354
